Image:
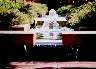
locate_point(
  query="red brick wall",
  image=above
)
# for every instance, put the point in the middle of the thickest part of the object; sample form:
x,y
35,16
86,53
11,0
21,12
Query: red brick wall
x,y
26,39
17,39
70,39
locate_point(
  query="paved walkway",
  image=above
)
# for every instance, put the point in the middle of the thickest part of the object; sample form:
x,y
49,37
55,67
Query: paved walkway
x,y
53,65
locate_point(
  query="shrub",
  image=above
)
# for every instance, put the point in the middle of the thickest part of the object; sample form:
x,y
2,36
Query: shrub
x,y
35,9
10,5
67,9
3,11
18,13
20,17
28,12
82,13
5,18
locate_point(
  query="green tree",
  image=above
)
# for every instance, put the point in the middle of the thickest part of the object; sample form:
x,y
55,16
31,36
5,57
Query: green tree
x,y
82,13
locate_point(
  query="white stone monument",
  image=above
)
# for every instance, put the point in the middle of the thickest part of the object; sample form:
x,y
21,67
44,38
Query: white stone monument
x,y
50,28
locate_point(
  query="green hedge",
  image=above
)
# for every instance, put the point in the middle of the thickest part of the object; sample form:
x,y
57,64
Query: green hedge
x,y
82,13
67,9
78,14
10,5
20,13
36,9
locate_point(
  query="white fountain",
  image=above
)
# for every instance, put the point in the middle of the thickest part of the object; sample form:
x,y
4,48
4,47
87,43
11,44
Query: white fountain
x,y
51,28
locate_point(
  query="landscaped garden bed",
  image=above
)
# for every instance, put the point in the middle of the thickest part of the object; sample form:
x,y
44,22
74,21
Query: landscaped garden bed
x,y
13,14
80,16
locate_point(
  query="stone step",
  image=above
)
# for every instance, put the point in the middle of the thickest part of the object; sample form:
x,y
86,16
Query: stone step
x,y
53,65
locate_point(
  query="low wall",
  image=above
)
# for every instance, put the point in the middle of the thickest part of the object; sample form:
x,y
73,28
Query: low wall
x,y
71,39
12,45
84,41
17,39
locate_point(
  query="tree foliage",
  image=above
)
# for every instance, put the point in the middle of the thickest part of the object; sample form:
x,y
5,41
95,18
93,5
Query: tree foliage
x,y
36,9
66,9
10,5
82,13
18,13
